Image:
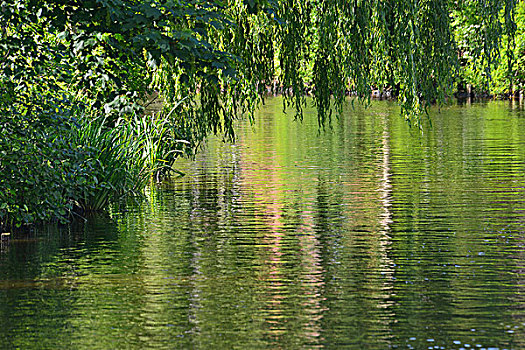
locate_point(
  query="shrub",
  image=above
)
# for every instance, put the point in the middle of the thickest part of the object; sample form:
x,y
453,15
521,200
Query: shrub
x,y
40,167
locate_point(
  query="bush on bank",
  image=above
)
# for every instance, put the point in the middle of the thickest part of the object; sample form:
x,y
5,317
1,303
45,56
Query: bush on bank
x,y
41,169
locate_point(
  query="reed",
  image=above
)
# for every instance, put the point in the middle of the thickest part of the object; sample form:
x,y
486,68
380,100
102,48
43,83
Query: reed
x,y
114,161
123,158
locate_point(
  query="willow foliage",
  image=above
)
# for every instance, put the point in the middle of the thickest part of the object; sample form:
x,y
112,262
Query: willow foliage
x,y
214,59
357,46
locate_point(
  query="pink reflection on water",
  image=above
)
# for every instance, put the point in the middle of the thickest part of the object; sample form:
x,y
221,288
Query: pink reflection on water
x,y
292,298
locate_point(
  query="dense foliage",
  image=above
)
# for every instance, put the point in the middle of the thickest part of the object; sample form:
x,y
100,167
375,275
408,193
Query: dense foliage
x,y
75,77
503,72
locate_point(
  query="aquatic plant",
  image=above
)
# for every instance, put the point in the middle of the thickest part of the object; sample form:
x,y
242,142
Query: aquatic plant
x,y
54,166
122,158
159,139
111,160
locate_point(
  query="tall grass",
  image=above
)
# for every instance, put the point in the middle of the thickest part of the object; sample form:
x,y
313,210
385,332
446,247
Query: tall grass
x,y
123,158
112,162
159,147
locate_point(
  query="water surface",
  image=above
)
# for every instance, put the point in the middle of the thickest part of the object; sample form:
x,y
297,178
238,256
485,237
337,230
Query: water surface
x,y
368,235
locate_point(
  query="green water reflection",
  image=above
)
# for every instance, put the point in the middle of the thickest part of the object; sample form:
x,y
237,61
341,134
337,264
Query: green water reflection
x,y
366,236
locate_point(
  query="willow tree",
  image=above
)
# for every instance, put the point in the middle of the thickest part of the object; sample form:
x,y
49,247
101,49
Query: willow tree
x,y
218,57
335,45
331,47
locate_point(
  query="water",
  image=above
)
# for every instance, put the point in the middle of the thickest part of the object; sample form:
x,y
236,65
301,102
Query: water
x,y
366,236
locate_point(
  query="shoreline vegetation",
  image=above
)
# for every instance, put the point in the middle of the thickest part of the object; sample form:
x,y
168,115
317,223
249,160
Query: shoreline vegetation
x,y
76,77
388,94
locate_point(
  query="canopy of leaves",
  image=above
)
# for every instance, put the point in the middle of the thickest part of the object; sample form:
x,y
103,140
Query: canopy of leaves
x,y
333,46
496,70
113,54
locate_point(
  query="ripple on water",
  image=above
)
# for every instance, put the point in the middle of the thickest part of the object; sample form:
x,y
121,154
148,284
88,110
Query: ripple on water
x,y
367,235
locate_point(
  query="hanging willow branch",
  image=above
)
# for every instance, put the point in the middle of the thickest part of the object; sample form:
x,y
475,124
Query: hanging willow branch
x,y
336,46
217,57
